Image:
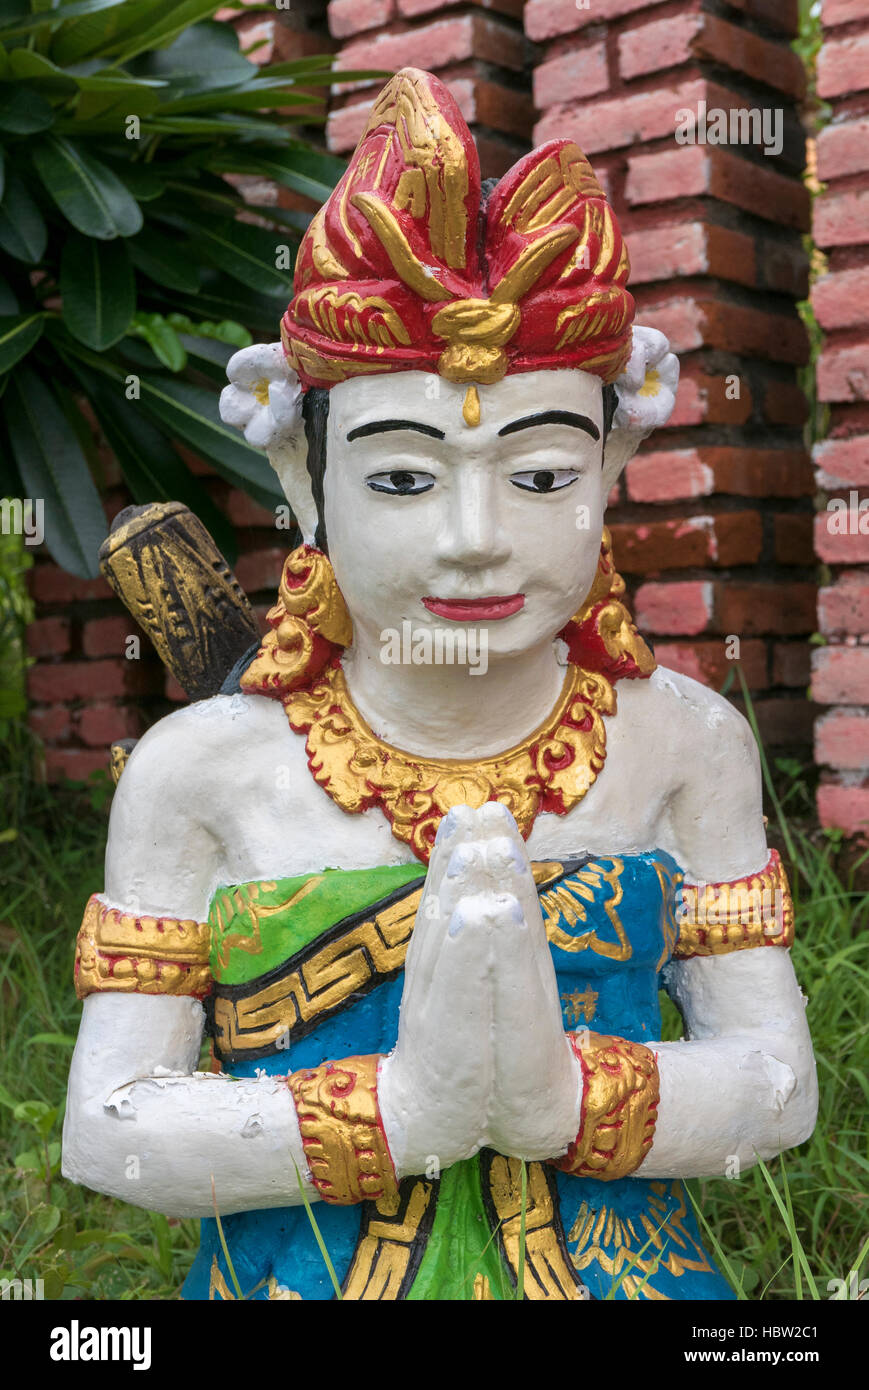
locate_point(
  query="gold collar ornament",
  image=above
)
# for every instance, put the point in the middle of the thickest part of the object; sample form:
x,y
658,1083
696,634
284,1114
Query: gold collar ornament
x,y
551,770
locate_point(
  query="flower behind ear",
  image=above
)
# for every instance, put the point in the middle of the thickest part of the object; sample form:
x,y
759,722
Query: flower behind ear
x,y
646,389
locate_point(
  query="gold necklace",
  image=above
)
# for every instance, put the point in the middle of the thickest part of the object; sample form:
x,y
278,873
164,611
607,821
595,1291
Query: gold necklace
x,y
550,770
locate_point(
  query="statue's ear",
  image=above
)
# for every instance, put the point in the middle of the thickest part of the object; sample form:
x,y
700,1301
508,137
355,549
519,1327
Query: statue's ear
x,y
264,400
646,393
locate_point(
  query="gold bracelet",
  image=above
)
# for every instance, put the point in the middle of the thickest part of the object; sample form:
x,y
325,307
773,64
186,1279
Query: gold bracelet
x,y
717,918
121,952
342,1132
619,1107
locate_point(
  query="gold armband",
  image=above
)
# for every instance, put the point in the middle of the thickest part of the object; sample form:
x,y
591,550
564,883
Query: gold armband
x,y
716,918
342,1132
619,1107
140,955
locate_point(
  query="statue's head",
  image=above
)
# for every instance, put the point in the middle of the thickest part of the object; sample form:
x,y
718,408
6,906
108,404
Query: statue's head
x,y
454,351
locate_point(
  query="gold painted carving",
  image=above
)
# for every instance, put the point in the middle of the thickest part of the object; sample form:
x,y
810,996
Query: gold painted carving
x,y
325,980
309,605
242,901
339,315
558,762
146,955
663,1243
550,190
717,918
567,900
342,1134
471,408
382,1258
217,1286
548,1274
619,1107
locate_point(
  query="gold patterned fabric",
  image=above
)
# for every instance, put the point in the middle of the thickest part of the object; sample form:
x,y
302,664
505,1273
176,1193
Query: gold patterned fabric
x,y
342,1132
619,1107
126,953
717,918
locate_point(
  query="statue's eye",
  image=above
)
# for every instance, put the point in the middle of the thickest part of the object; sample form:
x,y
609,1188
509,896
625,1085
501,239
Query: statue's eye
x,y
400,482
544,479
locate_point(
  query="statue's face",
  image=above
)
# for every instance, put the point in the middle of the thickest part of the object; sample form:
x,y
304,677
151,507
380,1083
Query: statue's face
x,y
495,526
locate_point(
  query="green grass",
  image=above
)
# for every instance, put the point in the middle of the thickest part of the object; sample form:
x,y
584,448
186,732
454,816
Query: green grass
x,y
777,1230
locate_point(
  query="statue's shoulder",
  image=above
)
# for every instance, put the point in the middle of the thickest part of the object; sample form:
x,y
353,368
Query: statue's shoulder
x,y
692,726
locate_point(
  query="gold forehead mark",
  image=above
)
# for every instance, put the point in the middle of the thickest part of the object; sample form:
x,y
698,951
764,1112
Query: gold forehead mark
x,y
471,408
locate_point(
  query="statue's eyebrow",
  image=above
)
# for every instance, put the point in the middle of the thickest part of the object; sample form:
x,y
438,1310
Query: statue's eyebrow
x,y
385,426
553,417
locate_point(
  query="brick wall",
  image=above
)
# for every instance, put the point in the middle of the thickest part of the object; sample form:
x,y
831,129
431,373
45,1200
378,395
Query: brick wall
x,y
840,678
714,522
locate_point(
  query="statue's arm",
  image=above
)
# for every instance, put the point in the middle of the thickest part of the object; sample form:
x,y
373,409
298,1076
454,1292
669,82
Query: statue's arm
x,y
743,1084
142,1123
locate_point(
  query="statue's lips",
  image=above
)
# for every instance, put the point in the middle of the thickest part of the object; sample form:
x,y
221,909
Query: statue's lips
x,y
476,610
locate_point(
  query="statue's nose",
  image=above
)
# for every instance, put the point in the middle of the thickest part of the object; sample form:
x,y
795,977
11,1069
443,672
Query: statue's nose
x,y
471,532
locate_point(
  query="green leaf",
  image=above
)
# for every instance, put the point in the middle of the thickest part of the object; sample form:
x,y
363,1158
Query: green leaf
x,y
26,64
180,16
23,110
23,233
87,192
53,17
192,413
54,1039
165,259
204,58
245,252
53,468
162,340
98,289
151,467
8,299
17,336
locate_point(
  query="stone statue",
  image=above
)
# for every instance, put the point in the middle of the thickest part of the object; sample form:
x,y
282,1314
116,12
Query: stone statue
x,y
422,874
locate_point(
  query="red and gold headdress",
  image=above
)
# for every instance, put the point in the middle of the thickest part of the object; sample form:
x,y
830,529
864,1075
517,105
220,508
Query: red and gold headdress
x,y
395,272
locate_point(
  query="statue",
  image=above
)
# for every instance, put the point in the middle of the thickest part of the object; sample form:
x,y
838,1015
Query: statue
x,y
421,870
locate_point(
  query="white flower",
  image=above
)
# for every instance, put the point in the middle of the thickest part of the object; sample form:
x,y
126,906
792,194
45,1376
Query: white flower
x,y
647,387
264,398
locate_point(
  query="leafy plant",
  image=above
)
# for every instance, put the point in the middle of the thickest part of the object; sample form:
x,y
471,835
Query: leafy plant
x,y
126,273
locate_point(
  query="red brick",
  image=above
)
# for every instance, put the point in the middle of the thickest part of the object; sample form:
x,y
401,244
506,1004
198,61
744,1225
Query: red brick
x,y
844,807
90,680
843,607
433,46
702,398
750,610
793,538
841,12
622,120
108,636
843,149
697,170
731,538
836,548
411,9
680,609
843,373
100,724
782,15
682,473
77,764
709,663
842,300
260,569
345,124
544,19
691,248
174,692
843,65
580,73
50,724
694,323
791,663
842,740
842,462
497,155
49,637
492,104
840,675
842,219
784,404
353,16
668,42
782,722
784,268
50,584
242,510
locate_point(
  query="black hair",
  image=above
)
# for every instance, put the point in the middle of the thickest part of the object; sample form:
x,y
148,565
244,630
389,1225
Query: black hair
x,y
315,413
